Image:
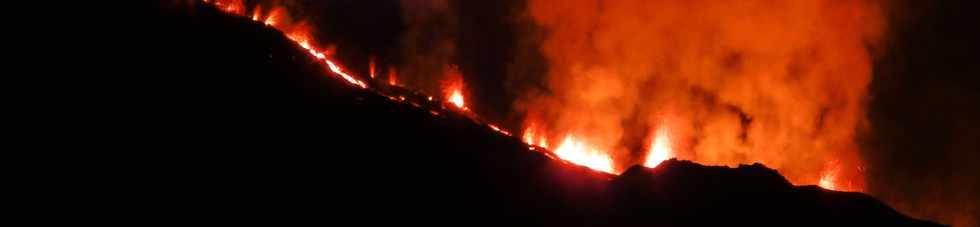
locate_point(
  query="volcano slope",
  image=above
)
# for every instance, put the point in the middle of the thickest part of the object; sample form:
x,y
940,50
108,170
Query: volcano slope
x,y
258,132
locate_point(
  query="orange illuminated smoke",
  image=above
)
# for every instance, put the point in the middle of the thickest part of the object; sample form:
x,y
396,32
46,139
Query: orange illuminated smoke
x,y
579,152
660,149
744,82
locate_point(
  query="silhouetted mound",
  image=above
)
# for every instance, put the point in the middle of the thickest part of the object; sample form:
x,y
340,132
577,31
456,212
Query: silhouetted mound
x,y
686,193
258,132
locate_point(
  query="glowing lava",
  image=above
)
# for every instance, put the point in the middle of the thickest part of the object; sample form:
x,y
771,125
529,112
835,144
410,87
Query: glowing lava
x,y
297,32
392,76
371,67
827,181
456,98
501,131
829,178
529,138
257,13
581,153
660,149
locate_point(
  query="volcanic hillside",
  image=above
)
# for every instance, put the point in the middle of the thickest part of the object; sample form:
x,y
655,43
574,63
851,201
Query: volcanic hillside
x,y
263,133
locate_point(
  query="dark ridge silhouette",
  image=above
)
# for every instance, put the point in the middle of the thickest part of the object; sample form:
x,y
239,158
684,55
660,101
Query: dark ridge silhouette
x,y
252,130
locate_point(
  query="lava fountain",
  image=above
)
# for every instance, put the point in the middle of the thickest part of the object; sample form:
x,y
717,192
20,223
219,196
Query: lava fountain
x,y
660,149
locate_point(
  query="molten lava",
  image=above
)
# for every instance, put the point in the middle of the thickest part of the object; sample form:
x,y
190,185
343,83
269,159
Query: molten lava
x,y
297,32
456,98
392,76
831,179
529,138
230,6
371,64
827,181
453,86
660,149
257,13
579,152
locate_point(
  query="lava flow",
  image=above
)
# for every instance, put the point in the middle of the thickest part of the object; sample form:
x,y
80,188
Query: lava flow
x,y
578,152
572,149
297,32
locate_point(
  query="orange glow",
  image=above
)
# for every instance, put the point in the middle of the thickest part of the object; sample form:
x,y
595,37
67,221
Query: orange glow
x,y
257,13
274,16
336,69
760,95
832,179
828,181
501,131
529,136
297,32
660,149
742,83
453,86
578,152
392,76
456,98
532,139
235,7
371,67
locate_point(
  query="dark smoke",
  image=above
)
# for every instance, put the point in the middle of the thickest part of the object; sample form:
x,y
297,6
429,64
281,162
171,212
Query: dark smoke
x,y
923,151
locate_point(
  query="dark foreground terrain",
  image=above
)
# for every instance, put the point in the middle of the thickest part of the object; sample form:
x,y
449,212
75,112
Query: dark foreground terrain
x,y
251,130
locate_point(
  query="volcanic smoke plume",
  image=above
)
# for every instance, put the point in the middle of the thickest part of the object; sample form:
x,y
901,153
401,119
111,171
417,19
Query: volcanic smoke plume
x,y
428,44
778,82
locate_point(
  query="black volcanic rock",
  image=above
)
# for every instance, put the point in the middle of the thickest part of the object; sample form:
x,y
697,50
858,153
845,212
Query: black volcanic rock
x,y
688,194
256,132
